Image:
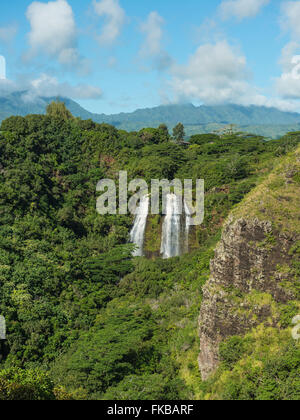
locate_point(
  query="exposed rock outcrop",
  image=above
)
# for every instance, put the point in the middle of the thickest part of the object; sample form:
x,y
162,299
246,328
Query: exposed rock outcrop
x,y
252,266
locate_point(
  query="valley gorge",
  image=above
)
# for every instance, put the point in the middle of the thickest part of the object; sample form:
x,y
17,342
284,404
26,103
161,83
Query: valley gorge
x,y
88,318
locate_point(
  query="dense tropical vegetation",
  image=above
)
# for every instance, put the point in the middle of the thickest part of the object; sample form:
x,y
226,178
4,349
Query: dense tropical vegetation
x,y
85,319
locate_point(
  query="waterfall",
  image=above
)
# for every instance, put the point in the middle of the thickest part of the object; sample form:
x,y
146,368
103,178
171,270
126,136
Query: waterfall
x,y
175,228
138,231
187,226
171,230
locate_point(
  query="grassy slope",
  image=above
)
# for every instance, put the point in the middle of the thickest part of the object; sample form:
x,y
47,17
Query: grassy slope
x,y
278,198
265,363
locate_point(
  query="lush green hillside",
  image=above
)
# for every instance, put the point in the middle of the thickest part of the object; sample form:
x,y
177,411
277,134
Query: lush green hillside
x,y
191,115
269,122
258,300
84,318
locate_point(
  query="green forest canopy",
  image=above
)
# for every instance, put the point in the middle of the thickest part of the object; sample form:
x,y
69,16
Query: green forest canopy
x,y
85,319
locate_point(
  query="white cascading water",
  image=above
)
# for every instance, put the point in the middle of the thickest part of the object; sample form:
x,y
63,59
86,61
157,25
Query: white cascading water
x,y
138,231
188,218
171,230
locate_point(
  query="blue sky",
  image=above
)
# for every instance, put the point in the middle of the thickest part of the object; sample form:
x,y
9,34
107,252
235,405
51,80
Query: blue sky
x,y
118,55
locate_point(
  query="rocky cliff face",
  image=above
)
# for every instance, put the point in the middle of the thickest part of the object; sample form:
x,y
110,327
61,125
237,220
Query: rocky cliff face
x,y
252,273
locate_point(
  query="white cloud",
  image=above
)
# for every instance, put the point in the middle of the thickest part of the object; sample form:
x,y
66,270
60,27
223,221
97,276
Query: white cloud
x,y
214,74
7,86
53,31
48,86
287,54
209,31
152,48
241,9
291,17
152,28
288,84
7,33
288,105
218,74
115,19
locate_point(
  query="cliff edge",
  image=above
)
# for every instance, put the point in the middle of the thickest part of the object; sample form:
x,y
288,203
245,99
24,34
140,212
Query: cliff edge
x,y
256,268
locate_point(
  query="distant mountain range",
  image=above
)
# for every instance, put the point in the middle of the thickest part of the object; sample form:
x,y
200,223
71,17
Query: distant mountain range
x,y
269,122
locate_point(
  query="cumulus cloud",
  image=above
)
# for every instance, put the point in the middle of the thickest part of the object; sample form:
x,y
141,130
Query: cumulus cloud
x,y
218,74
115,19
241,9
288,84
48,86
152,48
214,74
7,33
53,31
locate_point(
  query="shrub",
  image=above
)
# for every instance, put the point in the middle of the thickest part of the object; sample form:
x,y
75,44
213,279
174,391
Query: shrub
x,y
17,384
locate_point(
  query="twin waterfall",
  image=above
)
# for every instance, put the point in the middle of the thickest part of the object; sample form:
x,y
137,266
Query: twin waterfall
x,y
175,228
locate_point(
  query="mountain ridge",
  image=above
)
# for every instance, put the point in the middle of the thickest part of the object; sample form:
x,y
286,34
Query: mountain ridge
x,y
256,119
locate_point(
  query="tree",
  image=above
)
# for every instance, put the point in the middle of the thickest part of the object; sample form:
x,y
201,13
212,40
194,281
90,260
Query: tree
x,y
164,132
59,110
178,132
